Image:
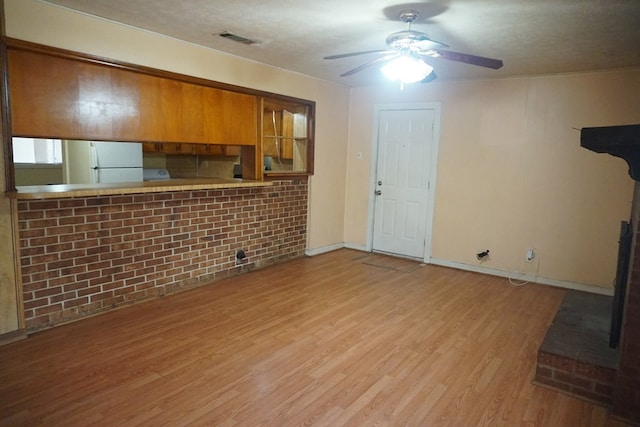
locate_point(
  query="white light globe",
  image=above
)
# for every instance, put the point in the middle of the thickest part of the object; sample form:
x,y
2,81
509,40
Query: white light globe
x,y
407,69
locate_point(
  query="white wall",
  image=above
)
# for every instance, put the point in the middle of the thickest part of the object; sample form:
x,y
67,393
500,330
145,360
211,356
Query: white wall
x,y
512,174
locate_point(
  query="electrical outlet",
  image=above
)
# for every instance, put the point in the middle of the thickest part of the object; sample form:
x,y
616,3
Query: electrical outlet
x,y
530,255
241,257
483,256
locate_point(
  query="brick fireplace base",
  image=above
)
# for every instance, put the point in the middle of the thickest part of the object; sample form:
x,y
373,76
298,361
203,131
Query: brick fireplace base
x,y
575,356
624,142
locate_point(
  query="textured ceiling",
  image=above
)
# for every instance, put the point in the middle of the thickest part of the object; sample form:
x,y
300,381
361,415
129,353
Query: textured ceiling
x,y
531,36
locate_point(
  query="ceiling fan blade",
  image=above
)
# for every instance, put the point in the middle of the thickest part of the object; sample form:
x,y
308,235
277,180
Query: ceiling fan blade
x,y
431,77
364,52
424,44
480,61
369,64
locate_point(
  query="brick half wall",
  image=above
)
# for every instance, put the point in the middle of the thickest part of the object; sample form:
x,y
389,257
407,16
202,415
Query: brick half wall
x,y
85,255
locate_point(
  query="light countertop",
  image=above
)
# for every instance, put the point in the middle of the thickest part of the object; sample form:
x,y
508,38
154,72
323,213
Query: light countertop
x,y
85,190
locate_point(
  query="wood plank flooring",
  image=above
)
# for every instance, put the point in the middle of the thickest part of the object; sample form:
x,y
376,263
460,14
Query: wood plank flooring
x,y
340,339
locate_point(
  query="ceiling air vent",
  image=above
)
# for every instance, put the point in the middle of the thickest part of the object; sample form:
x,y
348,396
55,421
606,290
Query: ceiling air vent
x,y
237,38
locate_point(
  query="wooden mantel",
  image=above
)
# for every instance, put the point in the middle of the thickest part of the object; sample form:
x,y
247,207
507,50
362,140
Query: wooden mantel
x,y
620,141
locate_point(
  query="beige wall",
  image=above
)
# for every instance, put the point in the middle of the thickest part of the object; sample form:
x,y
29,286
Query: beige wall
x,y
38,174
512,174
9,297
42,23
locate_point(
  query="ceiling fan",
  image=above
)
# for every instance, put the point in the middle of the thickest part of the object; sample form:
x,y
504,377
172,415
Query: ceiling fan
x,y
414,47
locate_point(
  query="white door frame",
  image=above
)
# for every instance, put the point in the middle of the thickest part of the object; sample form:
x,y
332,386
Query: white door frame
x,y
377,108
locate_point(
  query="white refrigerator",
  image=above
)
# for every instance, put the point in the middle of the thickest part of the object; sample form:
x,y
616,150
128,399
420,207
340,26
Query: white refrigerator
x,y
93,162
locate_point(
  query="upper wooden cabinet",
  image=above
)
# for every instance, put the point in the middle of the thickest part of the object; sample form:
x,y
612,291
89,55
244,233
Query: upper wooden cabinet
x,y
61,94
191,149
277,133
57,96
286,126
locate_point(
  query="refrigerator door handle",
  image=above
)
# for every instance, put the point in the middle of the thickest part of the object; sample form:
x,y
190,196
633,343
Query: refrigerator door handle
x,y
93,152
93,167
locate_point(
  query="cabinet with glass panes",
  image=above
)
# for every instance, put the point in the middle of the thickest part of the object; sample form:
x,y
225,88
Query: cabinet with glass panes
x,y
285,136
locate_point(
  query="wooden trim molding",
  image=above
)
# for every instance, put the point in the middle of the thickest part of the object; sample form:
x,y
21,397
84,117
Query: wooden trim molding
x,y
12,336
5,115
99,60
278,176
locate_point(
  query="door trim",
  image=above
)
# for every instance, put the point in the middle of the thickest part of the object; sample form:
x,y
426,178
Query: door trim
x,y
377,108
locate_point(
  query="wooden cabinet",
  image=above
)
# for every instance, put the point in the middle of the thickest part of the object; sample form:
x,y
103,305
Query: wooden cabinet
x,y
64,97
151,147
56,93
232,150
277,133
209,150
167,148
191,149
285,130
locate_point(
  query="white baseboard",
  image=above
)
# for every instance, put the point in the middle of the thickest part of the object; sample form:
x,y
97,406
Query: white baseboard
x,y
356,247
324,249
519,277
523,277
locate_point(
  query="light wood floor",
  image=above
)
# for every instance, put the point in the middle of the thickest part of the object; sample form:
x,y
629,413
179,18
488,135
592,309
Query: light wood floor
x,y
344,338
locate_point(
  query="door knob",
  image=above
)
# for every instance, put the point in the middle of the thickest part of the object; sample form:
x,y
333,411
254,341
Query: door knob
x,y
379,182
378,192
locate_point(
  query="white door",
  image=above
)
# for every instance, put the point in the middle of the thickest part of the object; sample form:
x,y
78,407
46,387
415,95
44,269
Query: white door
x,y
405,142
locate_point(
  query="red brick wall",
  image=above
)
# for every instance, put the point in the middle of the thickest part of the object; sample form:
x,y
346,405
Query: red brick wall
x,y
626,396
85,255
582,379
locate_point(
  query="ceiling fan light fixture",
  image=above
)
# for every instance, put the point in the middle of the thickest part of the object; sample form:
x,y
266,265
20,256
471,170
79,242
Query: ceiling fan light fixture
x,y
406,53
406,69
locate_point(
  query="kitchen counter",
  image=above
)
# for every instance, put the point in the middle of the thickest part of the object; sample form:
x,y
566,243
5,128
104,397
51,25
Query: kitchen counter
x,y
84,190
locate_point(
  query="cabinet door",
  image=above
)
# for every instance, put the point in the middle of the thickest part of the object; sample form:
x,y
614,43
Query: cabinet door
x,y
151,147
191,149
237,116
232,150
287,135
167,148
216,150
271,125
277,131
71,98
209,150
177,148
